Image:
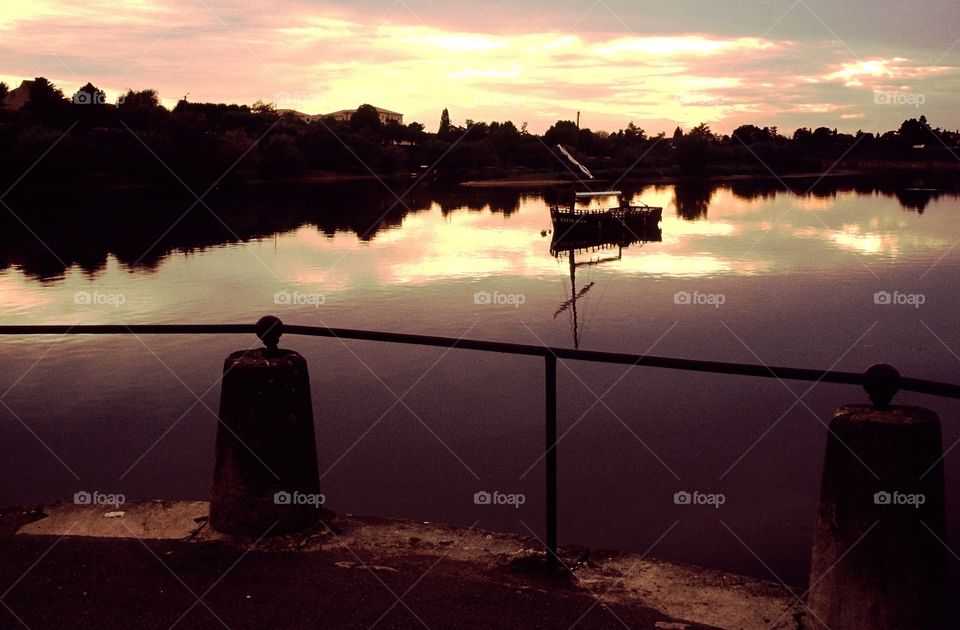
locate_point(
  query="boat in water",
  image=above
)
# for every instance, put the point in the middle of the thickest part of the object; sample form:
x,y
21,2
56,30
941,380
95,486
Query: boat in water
x,y
581,218
598,237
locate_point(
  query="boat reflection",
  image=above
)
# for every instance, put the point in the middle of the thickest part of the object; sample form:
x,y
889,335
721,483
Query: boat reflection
x,y
605,244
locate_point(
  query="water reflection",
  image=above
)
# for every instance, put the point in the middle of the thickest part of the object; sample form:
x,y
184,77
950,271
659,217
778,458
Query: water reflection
x,y
140,230
914,192
916,199
691,199
595,248
792,269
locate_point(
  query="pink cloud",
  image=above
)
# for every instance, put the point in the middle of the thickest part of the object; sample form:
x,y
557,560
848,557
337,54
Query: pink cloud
x,y
318,59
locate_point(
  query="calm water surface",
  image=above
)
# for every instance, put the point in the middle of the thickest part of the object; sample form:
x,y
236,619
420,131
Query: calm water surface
x,y
740,274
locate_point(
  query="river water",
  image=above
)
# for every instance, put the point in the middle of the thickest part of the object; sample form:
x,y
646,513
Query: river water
x,y
822,275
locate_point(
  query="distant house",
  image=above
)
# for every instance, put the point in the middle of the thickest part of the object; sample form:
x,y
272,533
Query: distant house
x,y
18,97
386,116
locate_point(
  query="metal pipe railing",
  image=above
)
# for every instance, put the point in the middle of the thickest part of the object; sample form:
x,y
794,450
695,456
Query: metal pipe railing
x,y
881,381
922,386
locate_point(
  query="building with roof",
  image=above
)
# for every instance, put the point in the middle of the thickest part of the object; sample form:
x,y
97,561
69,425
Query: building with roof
x,y
386,116
18,97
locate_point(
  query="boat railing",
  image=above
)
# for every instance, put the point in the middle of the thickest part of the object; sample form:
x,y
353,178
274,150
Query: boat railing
x,y
585,249
598,193
603,211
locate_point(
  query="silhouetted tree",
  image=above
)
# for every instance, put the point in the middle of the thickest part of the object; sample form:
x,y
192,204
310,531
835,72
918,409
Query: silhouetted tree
x,y
141,109
505,138
367,117
819,137
143,99
913,132
703,131
281,157
803,136
443,131
633,133
476,131
4,90
561,132
46,100
693,150
89,94
263,108
394,132
201,140
322,148
415,132
534,154
751,134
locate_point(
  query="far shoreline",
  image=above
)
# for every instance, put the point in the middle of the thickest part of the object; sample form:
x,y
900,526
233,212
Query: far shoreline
x,y
654,181
409,181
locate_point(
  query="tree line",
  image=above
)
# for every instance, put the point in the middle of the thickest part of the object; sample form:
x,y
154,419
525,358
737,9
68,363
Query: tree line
x,y
138,140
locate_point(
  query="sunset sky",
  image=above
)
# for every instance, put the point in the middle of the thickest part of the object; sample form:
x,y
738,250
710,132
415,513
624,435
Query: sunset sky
x,y
857,64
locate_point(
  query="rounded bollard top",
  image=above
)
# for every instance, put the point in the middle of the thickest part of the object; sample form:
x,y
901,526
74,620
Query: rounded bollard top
x,y
882,382
269,329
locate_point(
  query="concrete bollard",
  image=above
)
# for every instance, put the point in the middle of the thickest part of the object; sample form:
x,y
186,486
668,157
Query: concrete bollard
x,y
876,559
265,476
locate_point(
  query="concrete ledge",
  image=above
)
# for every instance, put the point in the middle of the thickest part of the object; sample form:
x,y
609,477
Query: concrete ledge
x,y
486,564
163,520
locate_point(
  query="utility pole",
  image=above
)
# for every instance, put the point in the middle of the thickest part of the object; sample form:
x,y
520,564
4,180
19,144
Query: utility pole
x,y
576,135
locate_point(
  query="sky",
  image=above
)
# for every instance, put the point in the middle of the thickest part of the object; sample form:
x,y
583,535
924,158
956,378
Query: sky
x,y
855,64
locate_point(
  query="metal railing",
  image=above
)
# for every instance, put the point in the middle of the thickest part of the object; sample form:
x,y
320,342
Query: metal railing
x,y
881,381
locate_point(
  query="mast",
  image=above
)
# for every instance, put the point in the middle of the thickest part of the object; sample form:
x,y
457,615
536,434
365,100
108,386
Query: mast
x,y
573,297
